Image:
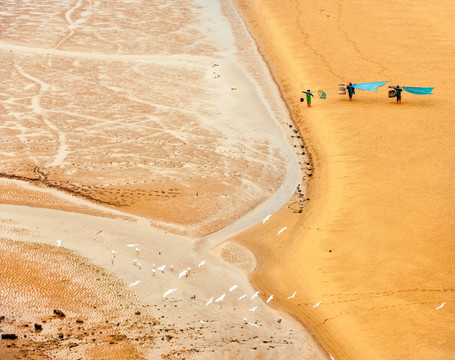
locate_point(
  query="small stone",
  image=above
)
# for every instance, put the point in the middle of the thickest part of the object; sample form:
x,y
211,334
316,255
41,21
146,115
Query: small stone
x,y
59,313
137,313
38,327
79,321
9,336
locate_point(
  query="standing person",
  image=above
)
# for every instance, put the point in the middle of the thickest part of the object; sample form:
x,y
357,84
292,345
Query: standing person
x,y
351,91
398,90
308,97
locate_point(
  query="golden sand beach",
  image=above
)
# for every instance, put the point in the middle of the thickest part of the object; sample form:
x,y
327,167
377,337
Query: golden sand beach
x,y
129,130
374,245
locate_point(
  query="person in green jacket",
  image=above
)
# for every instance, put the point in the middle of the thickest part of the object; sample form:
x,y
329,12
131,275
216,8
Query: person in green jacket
x,y
308,97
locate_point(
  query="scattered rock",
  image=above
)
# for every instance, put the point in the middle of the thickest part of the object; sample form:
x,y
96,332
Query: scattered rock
x,y
59,313
38,327
9,336
79,321
137,313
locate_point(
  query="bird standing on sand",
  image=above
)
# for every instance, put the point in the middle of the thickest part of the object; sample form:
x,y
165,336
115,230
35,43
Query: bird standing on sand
x,y
137,251
184,272
161,268
292,296
59,242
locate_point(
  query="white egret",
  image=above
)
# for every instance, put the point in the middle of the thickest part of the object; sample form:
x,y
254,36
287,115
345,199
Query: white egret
x,y
255,295
184,272
137,251
270,299
135,283
266,218
221,298
203,262
168,292
232,288
161,268
440,306
131,245
331,357
279,232
253,309
242,297
252,324
210,301
317,304
59,242
292,296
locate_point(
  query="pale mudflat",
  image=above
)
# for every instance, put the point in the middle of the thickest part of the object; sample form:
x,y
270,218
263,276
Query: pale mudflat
x,y
167,124
124,122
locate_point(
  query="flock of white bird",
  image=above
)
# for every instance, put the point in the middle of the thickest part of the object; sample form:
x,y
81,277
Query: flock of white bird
x,y
186,272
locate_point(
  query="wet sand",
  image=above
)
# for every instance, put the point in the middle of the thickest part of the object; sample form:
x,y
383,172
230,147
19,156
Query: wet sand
x,y
167,125
374,244
132,123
